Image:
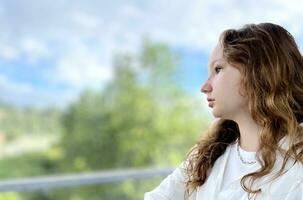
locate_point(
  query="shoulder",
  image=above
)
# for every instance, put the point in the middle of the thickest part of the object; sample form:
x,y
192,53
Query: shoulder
x,y
291,181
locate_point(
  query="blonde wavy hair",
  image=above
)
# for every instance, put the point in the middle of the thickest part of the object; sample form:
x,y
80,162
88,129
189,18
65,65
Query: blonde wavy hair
x,y
271,66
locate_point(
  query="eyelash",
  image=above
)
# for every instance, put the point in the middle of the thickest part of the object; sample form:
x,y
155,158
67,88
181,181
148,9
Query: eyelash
x,y
216,68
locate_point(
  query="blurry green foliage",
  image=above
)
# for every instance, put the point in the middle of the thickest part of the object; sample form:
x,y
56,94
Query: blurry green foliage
x,y
17,121
10,196
142,118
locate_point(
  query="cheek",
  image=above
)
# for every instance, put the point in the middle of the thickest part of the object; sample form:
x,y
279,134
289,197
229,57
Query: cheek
x,y
229,91
224,86
238,99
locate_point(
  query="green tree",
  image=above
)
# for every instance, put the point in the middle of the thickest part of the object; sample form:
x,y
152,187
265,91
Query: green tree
x,y
141,118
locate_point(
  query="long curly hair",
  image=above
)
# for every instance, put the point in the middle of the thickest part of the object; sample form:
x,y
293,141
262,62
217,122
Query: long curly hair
x,y
271,66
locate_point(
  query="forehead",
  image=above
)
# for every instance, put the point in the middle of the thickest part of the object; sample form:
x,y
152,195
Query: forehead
x,y
216,55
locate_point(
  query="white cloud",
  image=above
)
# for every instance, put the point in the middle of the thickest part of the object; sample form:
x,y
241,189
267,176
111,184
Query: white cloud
x,y
8,52
203,21
81,66
81,70
33,49
27,95
85,21
79,37
29,48
9,85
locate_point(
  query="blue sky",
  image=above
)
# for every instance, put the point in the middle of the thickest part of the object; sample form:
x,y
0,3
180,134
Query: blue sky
x,y
50,51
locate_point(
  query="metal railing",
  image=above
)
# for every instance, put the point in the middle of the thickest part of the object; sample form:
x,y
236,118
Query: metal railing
x,y
74,180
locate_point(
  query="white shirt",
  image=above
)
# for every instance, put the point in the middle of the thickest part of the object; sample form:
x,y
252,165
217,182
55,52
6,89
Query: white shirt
x,y
220,183
235,168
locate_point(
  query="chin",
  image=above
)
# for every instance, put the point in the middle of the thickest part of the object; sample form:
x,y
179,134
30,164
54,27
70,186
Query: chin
x,y
217,114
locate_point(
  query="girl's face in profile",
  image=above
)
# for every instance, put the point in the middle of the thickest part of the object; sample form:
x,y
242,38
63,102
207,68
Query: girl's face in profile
x,y
222,87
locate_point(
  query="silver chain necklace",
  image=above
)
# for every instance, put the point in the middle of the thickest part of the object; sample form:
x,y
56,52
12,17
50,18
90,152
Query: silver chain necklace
x,y
241,158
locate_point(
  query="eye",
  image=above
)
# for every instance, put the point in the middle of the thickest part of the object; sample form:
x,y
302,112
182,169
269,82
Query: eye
x,y
217,69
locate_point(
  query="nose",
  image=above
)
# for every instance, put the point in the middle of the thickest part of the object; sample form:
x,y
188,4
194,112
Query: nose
x,y
206,87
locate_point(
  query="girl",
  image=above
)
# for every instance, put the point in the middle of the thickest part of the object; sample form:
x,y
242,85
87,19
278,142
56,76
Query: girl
x,y
254,148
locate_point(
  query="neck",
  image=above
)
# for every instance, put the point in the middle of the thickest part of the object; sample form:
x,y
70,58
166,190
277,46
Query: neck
x,y
249,133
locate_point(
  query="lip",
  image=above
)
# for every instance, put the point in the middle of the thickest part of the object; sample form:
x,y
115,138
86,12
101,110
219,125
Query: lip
x,y
211,103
